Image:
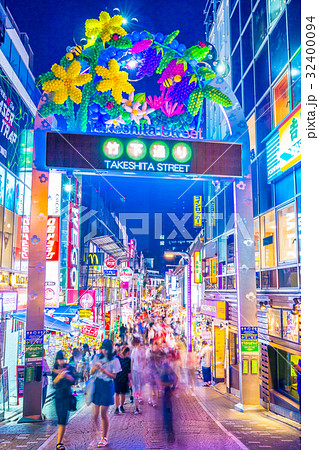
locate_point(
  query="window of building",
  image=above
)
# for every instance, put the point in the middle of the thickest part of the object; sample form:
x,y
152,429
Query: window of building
x,y
1,229
229,196
249,91
266,198
257,280
221,213
295,72
290,326
262,72
247,46
294,25
7,239
10,191
263,121
234,27
15,59
259,24
288,277
254,186
274,322
230,253
299,224
6,46
245,10
285,189
275,8
236,67
268,240
233,349
278,48
285,379
281,99
232,4
287,238
269,279
257,245
239,96
231,282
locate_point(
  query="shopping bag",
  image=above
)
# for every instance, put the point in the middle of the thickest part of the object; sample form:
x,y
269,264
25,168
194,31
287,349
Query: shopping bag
x,y
72,403
89,390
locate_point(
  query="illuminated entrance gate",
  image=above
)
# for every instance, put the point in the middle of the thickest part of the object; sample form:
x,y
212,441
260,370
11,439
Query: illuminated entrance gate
x,y
100,137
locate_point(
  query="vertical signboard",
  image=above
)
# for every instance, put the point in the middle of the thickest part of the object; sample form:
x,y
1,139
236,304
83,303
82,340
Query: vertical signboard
x,y
52,275
73,254
198,273
197,210
87,303
213,270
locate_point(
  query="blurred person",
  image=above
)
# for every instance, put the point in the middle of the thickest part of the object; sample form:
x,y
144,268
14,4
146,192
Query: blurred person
x,y
45,381
122,380
105,367
152,378
117,349
86,357
63,377
206,359
137,365
191,365
76,362
168,380
123,331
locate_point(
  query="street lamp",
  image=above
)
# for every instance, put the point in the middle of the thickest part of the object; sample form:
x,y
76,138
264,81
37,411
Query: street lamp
x,y
187,257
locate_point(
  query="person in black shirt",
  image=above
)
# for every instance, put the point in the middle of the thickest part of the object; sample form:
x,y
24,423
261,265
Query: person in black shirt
x,y
63,377
122,380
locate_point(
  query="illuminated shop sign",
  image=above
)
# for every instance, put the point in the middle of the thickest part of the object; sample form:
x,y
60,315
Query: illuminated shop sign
x,y
215,309
122,154
283,149
197,211
53,234
198,272
73,254
17,280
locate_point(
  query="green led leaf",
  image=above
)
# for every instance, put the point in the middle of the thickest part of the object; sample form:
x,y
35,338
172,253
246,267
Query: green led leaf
x,y
48,76
166,59
196,52
123,42
206,74
169,39
216,96
195,101
140,98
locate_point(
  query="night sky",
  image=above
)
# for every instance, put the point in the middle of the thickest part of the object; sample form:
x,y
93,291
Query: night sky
x,y
52,25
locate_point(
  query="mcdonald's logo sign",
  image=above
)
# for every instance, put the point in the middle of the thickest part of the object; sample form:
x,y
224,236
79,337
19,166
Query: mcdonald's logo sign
x,y
95,259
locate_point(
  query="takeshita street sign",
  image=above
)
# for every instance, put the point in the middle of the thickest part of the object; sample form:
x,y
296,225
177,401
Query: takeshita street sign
x,y
142,155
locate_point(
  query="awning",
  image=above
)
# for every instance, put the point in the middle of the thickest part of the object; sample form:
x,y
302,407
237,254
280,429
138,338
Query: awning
x,y
49,322
110,245
66,311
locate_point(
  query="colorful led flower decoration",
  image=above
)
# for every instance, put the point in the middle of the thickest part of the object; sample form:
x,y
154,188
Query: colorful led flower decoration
x,y
156,102
140,46
137,114
104,27
172,74
241,185
115,122
35,240
128,102
170,109
43,178
64,85
113,79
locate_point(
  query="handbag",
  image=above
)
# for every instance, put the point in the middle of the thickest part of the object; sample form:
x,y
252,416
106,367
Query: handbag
x,y
72,402
89,390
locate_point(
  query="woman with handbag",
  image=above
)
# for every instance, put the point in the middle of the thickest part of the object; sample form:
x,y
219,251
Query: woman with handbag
x,y
63,378
105,367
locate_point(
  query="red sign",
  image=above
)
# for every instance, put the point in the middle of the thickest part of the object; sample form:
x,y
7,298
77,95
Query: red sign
x,y
110,263
90,331
53,234
87,301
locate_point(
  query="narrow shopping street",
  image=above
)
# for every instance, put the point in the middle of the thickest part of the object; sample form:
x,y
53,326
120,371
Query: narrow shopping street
x,y
204,421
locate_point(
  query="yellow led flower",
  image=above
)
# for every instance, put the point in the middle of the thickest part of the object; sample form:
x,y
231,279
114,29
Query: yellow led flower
x,y
65,84
113,79
105,26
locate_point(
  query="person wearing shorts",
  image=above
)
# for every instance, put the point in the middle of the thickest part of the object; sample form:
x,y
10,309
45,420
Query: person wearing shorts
x,y
122,380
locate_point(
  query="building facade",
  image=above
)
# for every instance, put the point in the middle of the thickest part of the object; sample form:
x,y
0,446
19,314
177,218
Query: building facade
x,y
260,40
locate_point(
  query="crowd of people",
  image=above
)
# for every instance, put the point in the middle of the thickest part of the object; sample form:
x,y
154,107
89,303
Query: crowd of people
x,y
147,364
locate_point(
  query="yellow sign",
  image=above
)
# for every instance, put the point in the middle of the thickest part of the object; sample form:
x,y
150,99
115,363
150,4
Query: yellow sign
x,y
84,314
197,210
198,273
213,270
16,279
4,278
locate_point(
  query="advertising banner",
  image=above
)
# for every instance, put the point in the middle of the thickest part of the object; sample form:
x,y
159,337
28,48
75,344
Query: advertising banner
x,y
8,301
53,238
87,303
198,272
73,254
54,198
52,284
90,331
197,210
249,339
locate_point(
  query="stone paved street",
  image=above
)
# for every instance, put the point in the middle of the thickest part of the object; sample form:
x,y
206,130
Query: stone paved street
x,y
203,422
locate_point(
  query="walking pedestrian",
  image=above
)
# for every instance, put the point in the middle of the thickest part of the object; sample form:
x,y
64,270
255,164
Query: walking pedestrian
x,y
122,380
45,381
138,364
63,377
168,379
105,367
206,357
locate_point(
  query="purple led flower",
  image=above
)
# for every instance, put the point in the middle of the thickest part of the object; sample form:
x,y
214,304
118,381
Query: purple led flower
x,y
149,63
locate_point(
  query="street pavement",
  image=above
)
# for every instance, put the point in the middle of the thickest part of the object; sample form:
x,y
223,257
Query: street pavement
x,y
204,421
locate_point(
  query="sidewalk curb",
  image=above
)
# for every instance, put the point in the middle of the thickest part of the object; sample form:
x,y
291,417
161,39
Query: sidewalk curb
x,y
17,413
43,446
229,434
284,420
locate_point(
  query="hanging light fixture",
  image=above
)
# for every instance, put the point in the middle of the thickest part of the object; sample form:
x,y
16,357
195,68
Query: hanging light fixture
x,y
262,306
